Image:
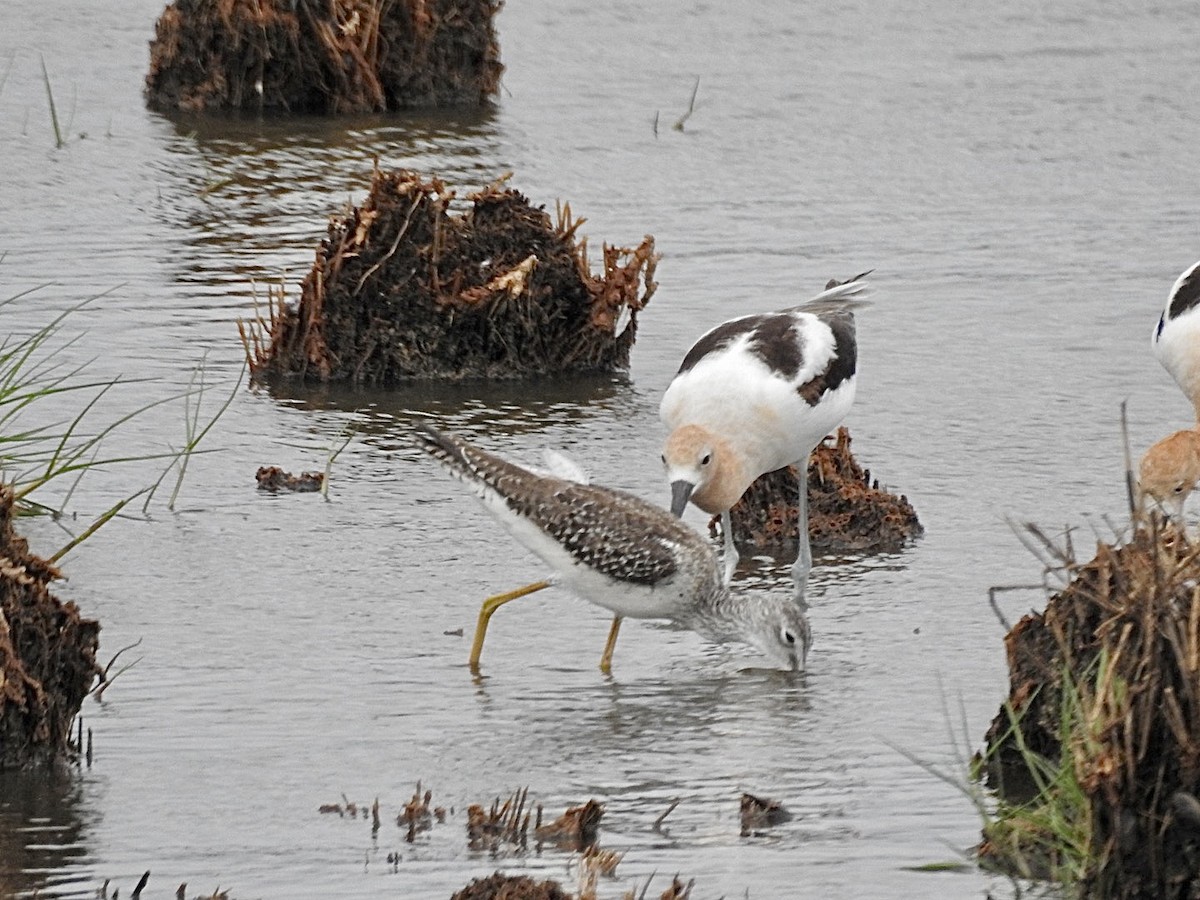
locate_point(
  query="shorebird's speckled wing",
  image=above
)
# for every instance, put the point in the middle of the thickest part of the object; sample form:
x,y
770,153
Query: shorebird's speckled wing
x,y
611,532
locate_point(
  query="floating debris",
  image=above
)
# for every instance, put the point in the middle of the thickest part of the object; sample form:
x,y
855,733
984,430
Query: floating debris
x,y
417,816
602,862
848,511
401,289
350,56
678,890
47,656
489,829
508,823
576,829
595,864
759,813
351,809
273,478
1100,734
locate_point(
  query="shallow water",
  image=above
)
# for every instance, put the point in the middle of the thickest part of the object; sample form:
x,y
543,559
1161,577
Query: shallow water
x,y
1022,181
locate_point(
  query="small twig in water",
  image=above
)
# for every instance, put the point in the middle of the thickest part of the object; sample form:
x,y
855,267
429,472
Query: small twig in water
x,y
670,809
58,138
105,681
1130,484
93,528
678,126
348,431
193,432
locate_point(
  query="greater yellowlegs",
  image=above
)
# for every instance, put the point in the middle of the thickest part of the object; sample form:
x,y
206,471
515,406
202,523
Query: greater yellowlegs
x,y
1176,339
755,394
619,552
1169,471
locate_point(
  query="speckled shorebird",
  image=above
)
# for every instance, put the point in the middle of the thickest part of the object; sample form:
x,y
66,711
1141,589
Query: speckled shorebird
x,y
1176,339
1169,471
619,552
755,394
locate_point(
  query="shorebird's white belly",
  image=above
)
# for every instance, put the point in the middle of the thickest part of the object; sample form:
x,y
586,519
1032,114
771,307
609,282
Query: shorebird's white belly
x,y
1178,349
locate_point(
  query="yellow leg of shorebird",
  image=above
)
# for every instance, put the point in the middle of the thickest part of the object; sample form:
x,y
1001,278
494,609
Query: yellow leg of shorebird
x,y
490,605
609,646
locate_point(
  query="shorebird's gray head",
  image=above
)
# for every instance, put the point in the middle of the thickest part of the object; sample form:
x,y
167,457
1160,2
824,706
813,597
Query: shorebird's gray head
x,y
782,633
774,623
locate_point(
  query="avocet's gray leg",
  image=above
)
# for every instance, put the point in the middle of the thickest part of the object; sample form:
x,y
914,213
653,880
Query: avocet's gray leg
x,y
803,564
731,554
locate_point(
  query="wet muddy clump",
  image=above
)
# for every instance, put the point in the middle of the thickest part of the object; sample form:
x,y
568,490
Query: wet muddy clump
x,y
511,887
508,824
47,655
323,56
1096,753
760,813
847,511
403,288
275,479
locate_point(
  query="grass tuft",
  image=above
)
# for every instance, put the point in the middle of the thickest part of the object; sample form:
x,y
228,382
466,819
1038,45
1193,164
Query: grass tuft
x,y
38,383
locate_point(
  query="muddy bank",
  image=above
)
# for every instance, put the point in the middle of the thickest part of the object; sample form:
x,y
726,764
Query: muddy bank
x,y
404,288
1102,725
47,655
323,56
848,512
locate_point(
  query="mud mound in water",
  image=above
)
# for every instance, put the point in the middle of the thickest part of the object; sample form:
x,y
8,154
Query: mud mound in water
x,y
1105,696
511,887
323,56
847,512
403,288
47,655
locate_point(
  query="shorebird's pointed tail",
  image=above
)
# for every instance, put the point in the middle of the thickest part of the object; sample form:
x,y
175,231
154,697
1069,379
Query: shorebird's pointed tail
x,y
484,473
849,294
447,449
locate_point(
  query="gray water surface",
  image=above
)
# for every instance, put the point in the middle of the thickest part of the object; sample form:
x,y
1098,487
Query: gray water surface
x,y
1021,178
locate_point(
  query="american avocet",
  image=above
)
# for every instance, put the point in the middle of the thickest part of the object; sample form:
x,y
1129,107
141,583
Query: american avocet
x,y
618,552
756,394
1176,340
1169,471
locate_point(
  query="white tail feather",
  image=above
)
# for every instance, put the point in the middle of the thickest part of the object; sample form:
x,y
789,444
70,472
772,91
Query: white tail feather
x,y
850,293
560,465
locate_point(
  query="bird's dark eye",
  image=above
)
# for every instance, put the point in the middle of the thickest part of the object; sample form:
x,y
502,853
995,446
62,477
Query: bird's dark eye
x,y
706,459
1179,488
664,459
789,637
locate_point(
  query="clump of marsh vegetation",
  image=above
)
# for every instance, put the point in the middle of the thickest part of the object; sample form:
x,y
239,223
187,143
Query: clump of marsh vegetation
x,y
1095,755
